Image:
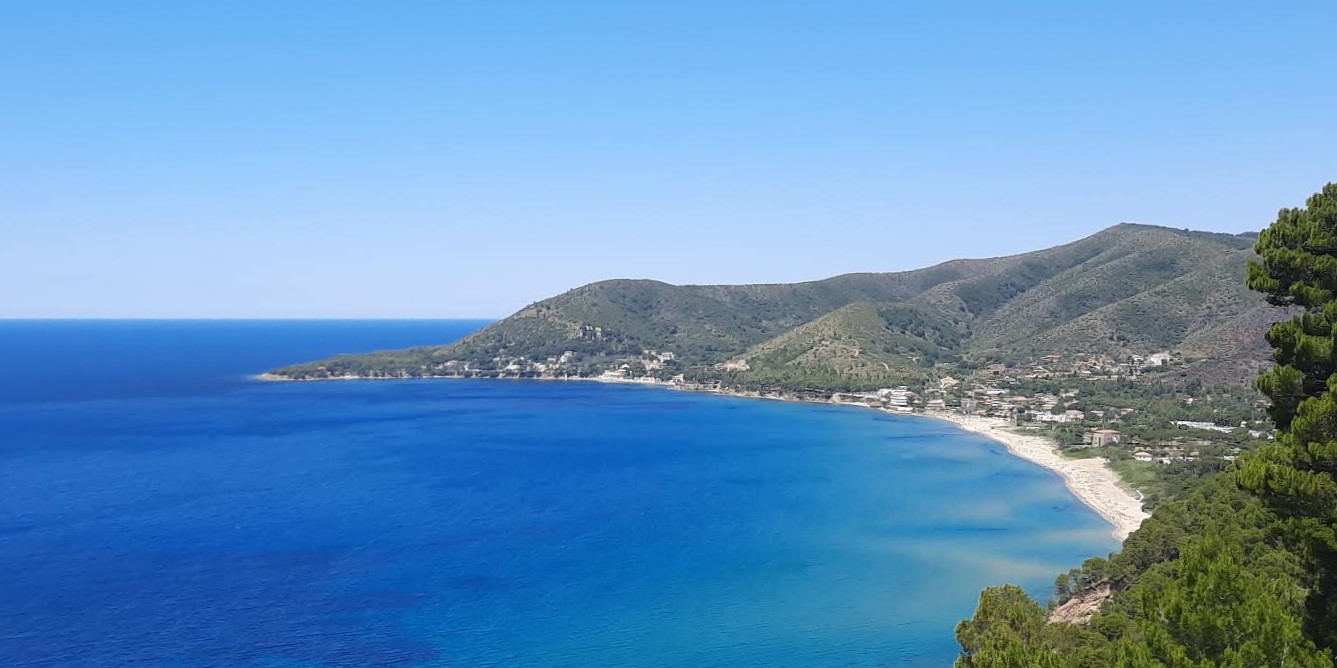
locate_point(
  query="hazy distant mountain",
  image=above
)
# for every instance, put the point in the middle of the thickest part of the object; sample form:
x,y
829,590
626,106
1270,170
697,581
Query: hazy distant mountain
x,y
1130,289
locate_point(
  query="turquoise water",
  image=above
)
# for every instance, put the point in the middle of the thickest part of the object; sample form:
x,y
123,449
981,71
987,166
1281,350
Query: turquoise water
x,y
162,510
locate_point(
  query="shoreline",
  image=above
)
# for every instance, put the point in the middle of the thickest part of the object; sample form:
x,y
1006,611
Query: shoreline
x,y
1093,484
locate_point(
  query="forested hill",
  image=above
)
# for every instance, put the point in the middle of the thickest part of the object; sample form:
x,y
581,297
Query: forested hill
x,y
1242,572
1130,289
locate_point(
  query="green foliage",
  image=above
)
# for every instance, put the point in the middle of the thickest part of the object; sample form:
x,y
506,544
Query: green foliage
x,y
1204,582
1131,288
1296,475
866,344
1241,571
1008,630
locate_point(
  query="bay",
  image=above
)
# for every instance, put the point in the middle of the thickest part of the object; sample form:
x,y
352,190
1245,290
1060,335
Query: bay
x,y
160,508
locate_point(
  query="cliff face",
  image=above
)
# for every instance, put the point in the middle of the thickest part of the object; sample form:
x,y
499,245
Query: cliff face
x,y
1079,609
1128,290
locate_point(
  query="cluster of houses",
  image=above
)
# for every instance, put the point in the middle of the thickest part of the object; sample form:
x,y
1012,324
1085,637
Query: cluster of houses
x,y
900,399
989,400
559,366
988,395
1210,426
1084,366
654,360
1173,454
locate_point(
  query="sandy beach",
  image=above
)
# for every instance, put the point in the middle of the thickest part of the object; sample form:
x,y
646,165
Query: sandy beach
x,y
1094,484
1088,479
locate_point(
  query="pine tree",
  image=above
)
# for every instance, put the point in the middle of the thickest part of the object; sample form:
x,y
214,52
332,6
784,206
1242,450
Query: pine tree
x,y
1298,269
1007,631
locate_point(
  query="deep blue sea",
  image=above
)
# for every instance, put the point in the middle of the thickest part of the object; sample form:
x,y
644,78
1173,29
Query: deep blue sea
x,y
158,508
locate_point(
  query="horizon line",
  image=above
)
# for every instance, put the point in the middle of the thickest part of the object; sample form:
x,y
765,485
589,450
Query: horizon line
x,y
231,318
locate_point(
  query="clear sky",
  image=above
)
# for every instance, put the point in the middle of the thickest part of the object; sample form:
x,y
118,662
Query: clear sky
x,y
455,159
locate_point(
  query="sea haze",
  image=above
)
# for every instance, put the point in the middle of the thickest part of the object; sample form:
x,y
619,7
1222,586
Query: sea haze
x,y
162,509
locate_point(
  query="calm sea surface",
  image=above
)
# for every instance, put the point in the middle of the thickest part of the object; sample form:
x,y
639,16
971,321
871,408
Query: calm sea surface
x,y
157,508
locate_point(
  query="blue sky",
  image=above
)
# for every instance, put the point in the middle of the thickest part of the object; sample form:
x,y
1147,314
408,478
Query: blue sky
x,y
456,159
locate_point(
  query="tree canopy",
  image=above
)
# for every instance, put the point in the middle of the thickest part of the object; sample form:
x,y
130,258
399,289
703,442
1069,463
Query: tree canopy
x,y
1298,268
1243,572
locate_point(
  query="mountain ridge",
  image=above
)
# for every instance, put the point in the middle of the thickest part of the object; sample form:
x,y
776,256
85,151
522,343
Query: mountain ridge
x,y
1131,289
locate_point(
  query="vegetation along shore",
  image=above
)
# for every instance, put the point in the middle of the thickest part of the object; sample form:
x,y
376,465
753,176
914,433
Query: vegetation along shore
x,y
1125,362
1089,479
1131,346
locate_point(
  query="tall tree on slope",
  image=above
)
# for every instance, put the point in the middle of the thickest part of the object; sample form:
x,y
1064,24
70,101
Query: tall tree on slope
x,y
1298,269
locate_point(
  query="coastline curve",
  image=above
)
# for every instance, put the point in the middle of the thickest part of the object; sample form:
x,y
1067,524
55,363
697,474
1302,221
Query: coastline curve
x,y
1093,483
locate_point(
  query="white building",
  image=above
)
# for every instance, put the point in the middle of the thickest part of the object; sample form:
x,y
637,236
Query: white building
x,y
1061,418
1208,426
1159,359
898,398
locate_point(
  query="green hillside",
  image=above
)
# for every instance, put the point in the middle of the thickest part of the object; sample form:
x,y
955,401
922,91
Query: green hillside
x,y
1241,572
1237,569
1130,289
861,341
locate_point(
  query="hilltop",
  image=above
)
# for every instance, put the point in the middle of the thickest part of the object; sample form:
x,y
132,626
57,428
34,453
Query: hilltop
x,y
1117,298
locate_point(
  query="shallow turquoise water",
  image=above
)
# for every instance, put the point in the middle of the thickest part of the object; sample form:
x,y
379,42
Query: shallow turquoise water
x,y
189,517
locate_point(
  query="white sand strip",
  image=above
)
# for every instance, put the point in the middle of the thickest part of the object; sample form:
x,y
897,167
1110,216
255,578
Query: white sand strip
x,y
1090,480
